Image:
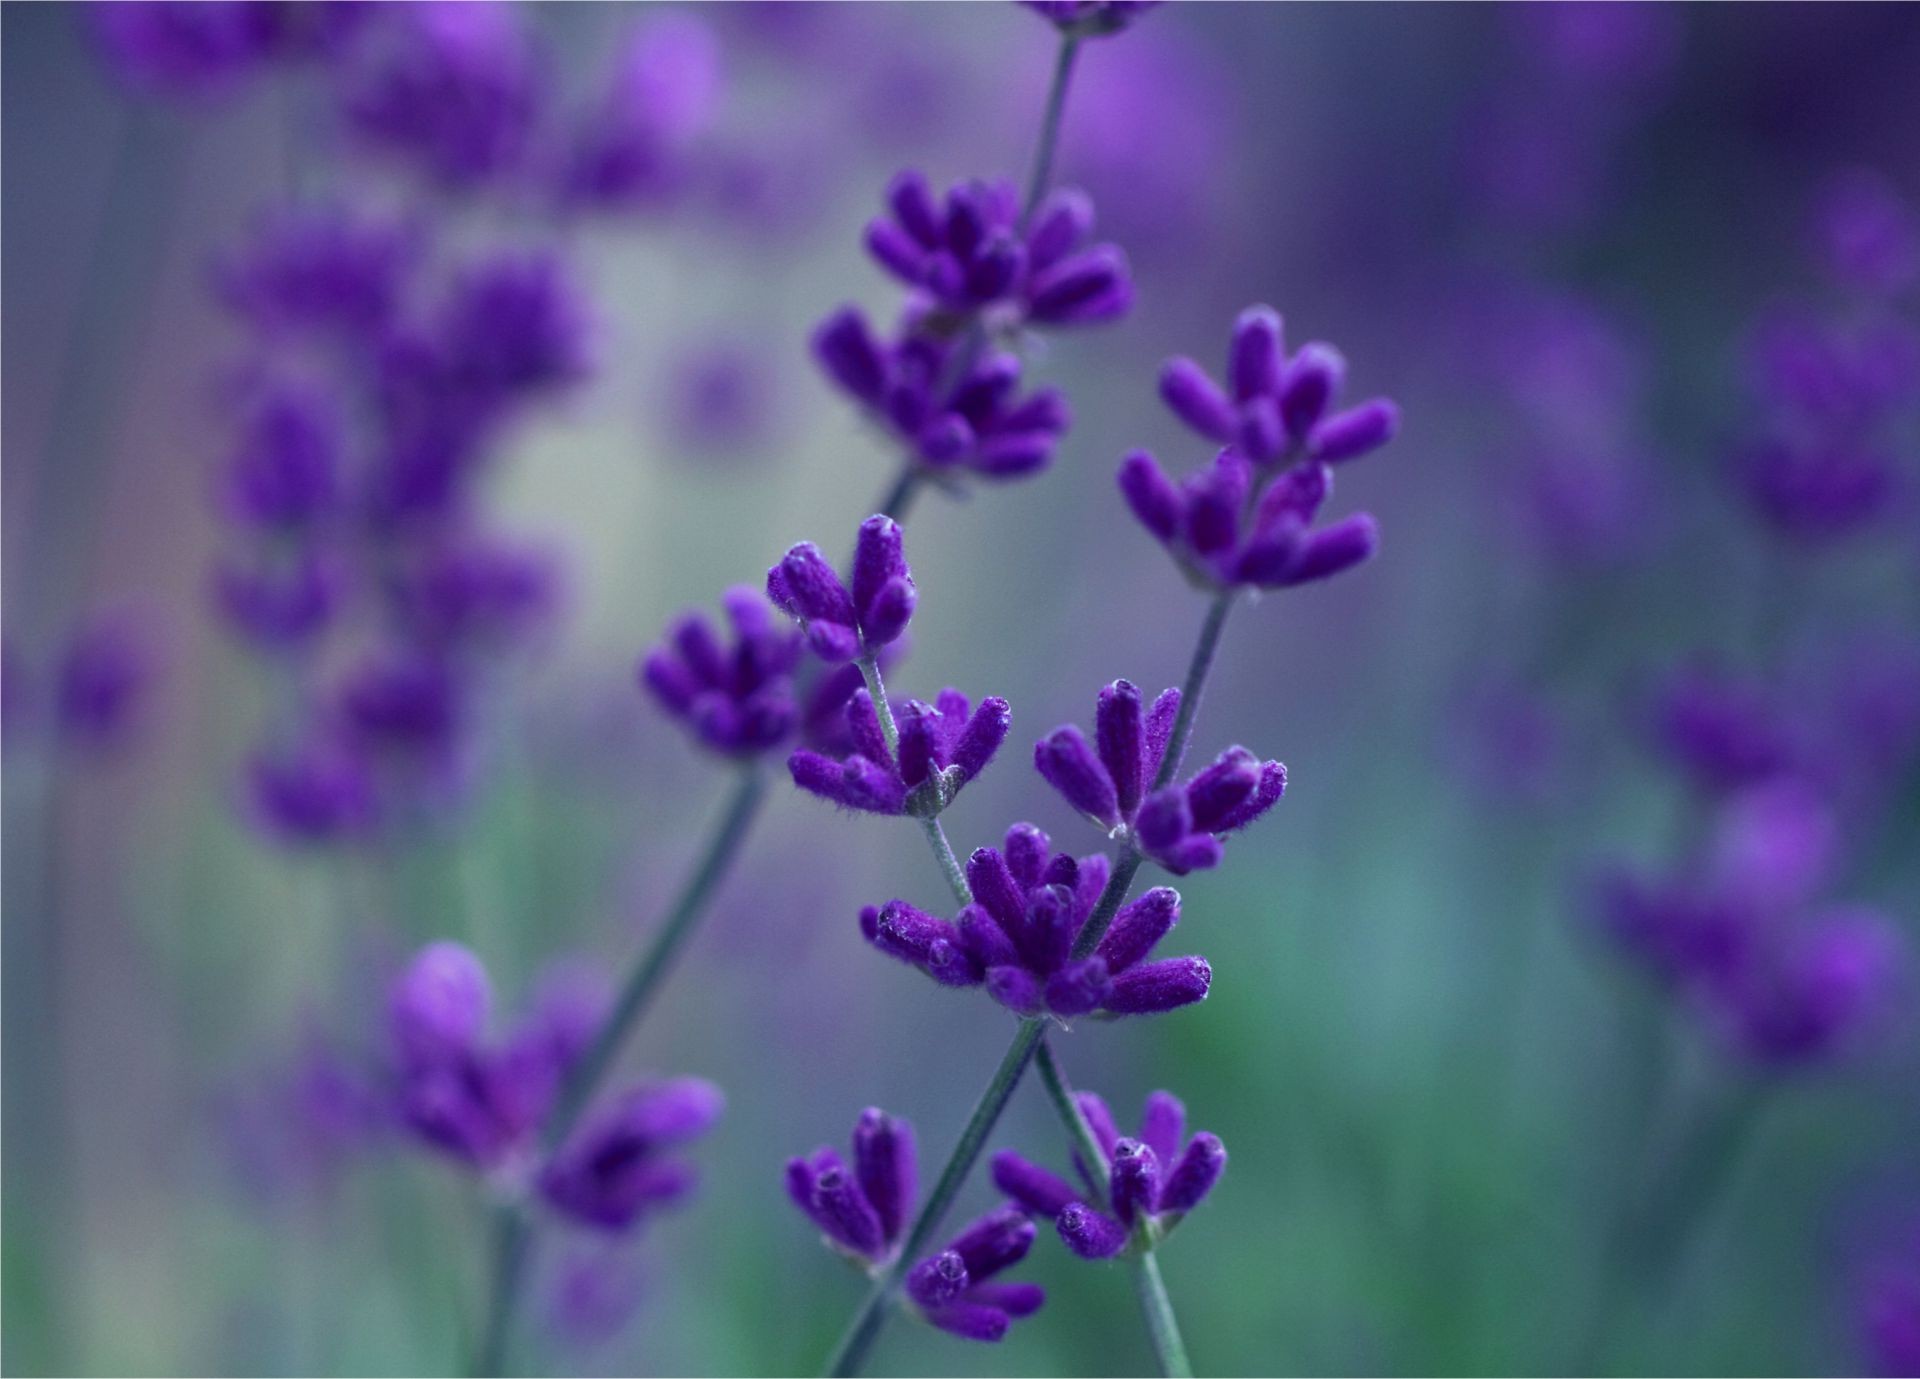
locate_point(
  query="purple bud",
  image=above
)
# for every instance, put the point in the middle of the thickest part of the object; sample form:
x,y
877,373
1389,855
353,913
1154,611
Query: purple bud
x,y
938,1280
947,439
971,1321
879,556
1197,400
1027,849
844,1212
808,588
892,608
985,941
913,205
1195,852
863,728
1215,497
997,1241
1195,1174
1273,784
1164,819
870,786
1160,720
887,1168
1017,989
846,348
985,731
1015,1299
1163,1125
1078,987
440,1004
1059,223
1152,495
1090,286
1138,927
1355,432
1032,1186
1257,354
1136,1180
896,251
1331,550
996,890
1153,987
1099,1118
1261,433
1119,727
1050,928
1068,763
1221,788
1091,1234
1312,382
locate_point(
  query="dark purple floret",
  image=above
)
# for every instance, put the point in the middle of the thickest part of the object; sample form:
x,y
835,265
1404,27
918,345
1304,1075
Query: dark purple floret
x,y
1868,236
617,1170
1814,994
405,703
514,324
1887,1301
204,52
473,592
280,604
1153,1181
314,794
969,254
327,269
285,473
1820,493
1091,18
975,420
1723,731
943,745
843,624
632,150
1178,826
453,89
739,699
1017,936
102,682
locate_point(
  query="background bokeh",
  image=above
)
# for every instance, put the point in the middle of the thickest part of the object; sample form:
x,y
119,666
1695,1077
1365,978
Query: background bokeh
x,y
1548,234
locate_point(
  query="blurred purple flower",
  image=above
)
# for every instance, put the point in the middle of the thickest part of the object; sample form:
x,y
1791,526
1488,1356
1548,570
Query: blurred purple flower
x,y
1091,18
616,1170
328,268
631,149
1723,731
719,400
473,592
279,604
316,793
285,473
1867,236
103,681
738,700
1887,1305
205,51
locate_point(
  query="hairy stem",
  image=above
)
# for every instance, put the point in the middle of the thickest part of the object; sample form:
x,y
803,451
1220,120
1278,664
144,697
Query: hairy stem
x,y
1198,668
1059,1091
950,864
1162,1325
1050,125
877,688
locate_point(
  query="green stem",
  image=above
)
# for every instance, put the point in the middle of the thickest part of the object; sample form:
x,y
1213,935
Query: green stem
x,y
1050,125
512,1242
1054,1078
876,687
899,499
1198,668
1161,1323
950,864
861,1332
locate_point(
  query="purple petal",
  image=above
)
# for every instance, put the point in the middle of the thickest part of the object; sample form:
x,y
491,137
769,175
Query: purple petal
x,y
1153,987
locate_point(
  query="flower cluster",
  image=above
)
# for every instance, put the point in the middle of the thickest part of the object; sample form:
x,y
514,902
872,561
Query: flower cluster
x,y
484,1101
842,623
943,745
864,1211
1784,978
94,695
738,701
1151,1182
1178,826
948,416
1017,938
1091,18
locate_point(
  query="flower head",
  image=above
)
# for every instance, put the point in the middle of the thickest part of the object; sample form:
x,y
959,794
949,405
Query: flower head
x,y
285,473
864,1210
617,1169
279,603
312,794
329,269
1017,937
969,253
103,681
1178,826
943,745
1152,1182
841,623
1090,18
631,149
738,700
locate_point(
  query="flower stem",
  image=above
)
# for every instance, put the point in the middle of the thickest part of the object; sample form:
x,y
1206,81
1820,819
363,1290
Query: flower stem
x,y
860,1334
877,688
512,1239
1054,1078
858,1339
1161,1323
950,864
1050,125
906,488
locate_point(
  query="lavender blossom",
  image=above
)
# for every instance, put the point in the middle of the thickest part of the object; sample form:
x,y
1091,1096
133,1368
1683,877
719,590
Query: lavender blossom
x,y
280,604
327,269
313,794
943,745
1017,937
1887,1304
843,624
1178,826
470,591
1722,730
972,419
1868,237
204,52
738,701
285,474
1153,1181
1276,409
615,1171
632,149
969,254
864,1212
1091,18
103,682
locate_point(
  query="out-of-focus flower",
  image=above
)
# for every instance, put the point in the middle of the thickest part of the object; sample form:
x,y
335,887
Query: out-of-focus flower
x,y
514,324
863,1212
452,88
1867,236
1887,1305
972,419
617,1168
720,399
737,701
285,472
631,149
1090,18
103,681
328,268
1722,730
1818,494
1153,1181
1018,935
970,254
943,745
404,703
841,623
277,604
313,794
474,592
205,51
1178,826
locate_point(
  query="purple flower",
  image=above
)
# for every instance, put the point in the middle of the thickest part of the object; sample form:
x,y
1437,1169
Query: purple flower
x,y
1813,994
1722,731
1837,382
719,402
616,1169
631,150
1204,522
284,474
739,700
1887,1305
1275,408
102,682
1868,236
1817,494
279,604
453,89
1153,1181
864,1210
1017,937
1178,826
314,794
324,269
513,324
843,624
972,419
405,703
1091,18
969,254
943,745
202,51
474,592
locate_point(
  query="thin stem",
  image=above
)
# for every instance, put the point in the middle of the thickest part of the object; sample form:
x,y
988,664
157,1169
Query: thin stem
x,y
950,864
1054,1078
858,1339
1198,669
1050,125
877,688
906,488
1162,1325
512,1240
652,968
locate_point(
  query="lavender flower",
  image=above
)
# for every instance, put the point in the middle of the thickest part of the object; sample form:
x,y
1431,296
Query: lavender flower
x,y
1868,236
970,255
1178,826
280,604
327,269
943,745
1016,939
843,624
285,473
973,419
1153,1181
738,701
1723,731
103,681
203,52
1887,1305
313,794
1277,409
1091,18
615,1170
470,591
404,703
1817,494
864,1212
632,149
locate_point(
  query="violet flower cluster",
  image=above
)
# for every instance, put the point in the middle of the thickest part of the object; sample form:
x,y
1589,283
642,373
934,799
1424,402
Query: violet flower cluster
x,y
482,1101
94,695
1150,1182
863,1212
1178,826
